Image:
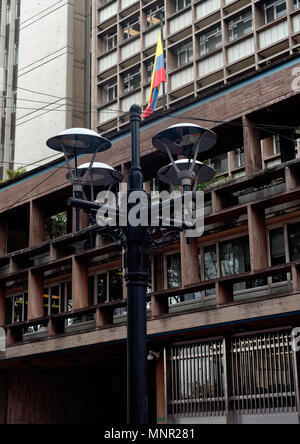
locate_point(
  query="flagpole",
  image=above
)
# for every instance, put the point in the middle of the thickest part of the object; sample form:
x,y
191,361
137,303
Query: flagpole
x,y
162,19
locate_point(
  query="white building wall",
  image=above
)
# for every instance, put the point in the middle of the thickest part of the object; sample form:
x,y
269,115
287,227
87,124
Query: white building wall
x,y
52,63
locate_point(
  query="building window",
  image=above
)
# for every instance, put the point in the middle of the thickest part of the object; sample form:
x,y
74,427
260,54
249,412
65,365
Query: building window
x,y
210,266
149,70
239,158
154,15
115,285
210,40
111,90
131,29
174,270
181,4
235,256
294,241
18,8
16,309
235,259
274,9
184,54
240,25
109,287
54,299
111,41
220,163
277,251
132,80
296,4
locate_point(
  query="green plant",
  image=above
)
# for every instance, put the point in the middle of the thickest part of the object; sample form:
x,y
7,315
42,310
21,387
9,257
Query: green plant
x,y
56,225
215,181
12,174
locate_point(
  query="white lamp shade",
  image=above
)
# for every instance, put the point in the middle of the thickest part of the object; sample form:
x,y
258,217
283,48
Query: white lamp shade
x,y
183,138
100,174
79,141
168,174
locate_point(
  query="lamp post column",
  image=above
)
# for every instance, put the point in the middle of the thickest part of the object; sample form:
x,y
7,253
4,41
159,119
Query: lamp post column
x,y
137,241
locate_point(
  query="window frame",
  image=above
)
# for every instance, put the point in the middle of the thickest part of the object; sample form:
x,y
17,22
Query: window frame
x,y
128,25
151,12
128,77
184,50
13,296
274,5
206,36
237,19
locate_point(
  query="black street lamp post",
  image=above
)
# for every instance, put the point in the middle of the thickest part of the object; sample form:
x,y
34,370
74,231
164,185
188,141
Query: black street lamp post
x,y
183,139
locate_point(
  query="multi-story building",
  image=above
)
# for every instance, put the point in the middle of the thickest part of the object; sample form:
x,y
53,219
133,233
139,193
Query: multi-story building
x,y
9,53
45,69
223,310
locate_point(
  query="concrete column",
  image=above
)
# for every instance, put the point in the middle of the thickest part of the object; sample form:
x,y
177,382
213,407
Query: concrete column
x,y
35,295
257,238
80,284
2,304
36,225
159,306
216,202
291,178
3,237
224,293
104,316
189,261
161,402
252,147
296,278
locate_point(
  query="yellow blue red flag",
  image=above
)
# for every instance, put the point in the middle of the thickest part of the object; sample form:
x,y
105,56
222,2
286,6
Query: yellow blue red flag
x,y
158,77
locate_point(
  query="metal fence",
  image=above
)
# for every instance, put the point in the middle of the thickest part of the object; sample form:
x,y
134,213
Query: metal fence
x,y
197,379
259,377
262,374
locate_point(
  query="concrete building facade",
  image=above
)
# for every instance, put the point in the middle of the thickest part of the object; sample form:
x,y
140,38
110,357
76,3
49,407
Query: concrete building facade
x,y
9,49
51,88
223,311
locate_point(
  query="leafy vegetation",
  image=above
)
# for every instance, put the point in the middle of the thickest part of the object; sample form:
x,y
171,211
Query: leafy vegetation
x,y
13,174
56,225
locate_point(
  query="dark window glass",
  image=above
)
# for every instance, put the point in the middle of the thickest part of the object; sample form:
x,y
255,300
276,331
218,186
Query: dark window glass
x,y
240,25
274,9
294,241
9,302
235,258
154,15
210,40
277,250
210,266
69,296
174,270
115,285
55,299
102,288
18,308
46,301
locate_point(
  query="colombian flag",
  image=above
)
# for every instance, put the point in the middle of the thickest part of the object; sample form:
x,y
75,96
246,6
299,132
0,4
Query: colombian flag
x,y
158,77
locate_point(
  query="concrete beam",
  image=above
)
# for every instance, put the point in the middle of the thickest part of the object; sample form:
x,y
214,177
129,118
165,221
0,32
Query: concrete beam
x,y
252,147
37,225
35,295
257,238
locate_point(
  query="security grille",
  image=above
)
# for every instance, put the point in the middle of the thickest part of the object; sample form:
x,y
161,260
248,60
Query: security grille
x,y
197,380
260,377
262,374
